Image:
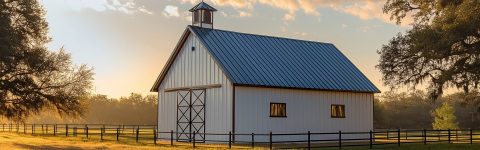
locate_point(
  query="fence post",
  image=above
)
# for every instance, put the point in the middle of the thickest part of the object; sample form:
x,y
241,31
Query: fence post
x,y
154,136
371,139
137,136
54,129
253,140
424,136
24,129
388,134
193,139
171,137
449,136
66,129
471,136
456,134
398,137
308,145
230,140
406,134
33,129
118,130
86,131
340,139
101,134
270,140
43,132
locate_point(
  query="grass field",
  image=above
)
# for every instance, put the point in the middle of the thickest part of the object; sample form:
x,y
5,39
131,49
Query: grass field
x,y
22,141
11,141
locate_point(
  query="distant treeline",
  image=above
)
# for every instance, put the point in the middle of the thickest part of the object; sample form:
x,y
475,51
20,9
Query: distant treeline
x,y
414,110
392,110
99,109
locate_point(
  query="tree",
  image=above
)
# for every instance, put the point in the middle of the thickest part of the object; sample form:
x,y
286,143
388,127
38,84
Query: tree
x,y
444,117
467,108
402,110
441,50
31,76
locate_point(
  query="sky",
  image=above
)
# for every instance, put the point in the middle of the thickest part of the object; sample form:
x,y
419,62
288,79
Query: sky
x,y
128,42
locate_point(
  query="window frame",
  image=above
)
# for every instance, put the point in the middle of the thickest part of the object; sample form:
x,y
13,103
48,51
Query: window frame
x,y
207,17
343,108
197,17
271,115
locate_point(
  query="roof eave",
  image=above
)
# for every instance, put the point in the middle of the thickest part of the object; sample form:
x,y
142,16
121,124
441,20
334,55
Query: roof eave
x,y
300,88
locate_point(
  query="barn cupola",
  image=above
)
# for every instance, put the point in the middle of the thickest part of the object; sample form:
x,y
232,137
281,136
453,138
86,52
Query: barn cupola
x,y
202,15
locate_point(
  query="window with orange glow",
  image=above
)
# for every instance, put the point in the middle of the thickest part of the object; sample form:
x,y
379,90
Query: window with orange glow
x,y
338,111
278,110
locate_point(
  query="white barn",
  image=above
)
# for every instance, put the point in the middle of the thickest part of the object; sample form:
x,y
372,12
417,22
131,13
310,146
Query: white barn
x,y
219,81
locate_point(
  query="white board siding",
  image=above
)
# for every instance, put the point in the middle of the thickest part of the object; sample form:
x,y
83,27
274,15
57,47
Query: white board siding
x,y
194,68
307,110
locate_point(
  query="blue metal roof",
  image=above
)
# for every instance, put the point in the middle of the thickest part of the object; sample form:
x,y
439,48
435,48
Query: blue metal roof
x,y
258,60
202,6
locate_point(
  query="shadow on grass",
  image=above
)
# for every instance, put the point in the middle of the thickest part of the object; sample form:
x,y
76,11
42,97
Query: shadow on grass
x,y
51,147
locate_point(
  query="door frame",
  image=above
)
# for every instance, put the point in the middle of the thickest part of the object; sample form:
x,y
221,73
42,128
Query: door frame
x,y
196,101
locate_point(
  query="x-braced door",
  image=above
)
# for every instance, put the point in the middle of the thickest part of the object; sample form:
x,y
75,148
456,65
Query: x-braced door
x,y
191,115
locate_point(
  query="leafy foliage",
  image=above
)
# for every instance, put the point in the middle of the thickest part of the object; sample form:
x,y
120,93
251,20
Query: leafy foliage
x,y
134,109
414,110
444,118
31,76
402,110
442,49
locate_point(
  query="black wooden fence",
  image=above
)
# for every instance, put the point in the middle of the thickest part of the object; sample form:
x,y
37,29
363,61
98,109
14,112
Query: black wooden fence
x,y
307,140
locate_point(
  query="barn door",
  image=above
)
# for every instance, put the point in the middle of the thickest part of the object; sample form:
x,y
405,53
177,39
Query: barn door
x,y
191,115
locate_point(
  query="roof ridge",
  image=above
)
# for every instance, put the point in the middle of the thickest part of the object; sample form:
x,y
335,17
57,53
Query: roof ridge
x,y
268,36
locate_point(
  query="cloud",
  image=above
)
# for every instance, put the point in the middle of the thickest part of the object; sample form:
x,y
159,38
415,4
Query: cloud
x,y
244,14
189,1
289,17
224,14
363,9
234,3
171,11
123,6
146,11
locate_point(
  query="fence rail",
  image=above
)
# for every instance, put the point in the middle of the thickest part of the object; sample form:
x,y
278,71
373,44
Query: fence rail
x,y
307,140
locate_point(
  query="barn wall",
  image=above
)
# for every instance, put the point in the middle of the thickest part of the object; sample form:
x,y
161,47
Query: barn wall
x,y
193,68
307,110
